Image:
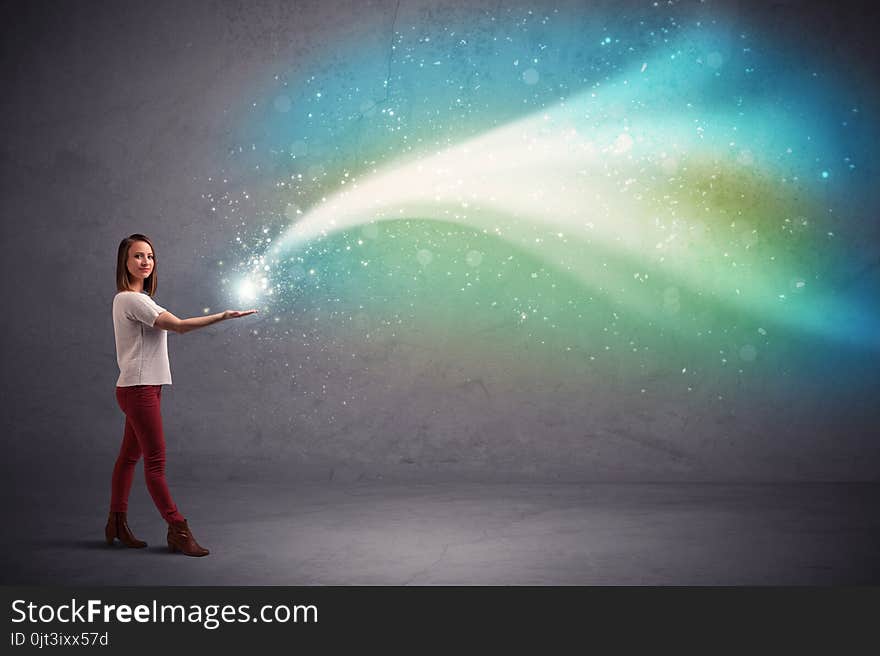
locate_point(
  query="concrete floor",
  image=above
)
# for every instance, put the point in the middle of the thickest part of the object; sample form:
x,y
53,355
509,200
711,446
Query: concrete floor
x,y
463,534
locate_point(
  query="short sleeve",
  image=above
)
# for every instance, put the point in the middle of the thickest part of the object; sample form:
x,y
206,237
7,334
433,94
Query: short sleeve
x,y
141,307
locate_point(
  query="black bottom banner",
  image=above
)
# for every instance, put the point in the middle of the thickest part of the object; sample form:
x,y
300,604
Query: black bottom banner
x,y
138,620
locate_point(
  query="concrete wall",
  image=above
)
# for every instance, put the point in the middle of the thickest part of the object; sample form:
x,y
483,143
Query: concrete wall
x,y
116,114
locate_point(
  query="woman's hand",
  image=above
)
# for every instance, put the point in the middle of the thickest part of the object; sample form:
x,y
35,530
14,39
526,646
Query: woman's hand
x,y
235,314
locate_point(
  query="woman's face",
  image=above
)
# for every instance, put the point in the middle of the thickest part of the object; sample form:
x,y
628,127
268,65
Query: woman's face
x,y
140,260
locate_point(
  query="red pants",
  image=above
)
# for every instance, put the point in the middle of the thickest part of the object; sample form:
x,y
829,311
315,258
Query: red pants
x,y
143,436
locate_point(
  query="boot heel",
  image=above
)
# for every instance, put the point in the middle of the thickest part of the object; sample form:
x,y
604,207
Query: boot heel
x,y
117,529
181,539
171,547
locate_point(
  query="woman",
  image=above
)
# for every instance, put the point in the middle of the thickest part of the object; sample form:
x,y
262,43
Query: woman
x,y
142,354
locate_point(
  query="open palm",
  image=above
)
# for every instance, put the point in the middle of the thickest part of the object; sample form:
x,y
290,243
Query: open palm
x,y
235,314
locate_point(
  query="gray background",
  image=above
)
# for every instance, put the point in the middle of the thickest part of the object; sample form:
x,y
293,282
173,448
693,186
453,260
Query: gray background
x,y
113,111
114,114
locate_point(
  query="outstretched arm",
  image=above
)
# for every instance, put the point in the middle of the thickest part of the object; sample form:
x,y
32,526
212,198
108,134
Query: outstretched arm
x,y
168,321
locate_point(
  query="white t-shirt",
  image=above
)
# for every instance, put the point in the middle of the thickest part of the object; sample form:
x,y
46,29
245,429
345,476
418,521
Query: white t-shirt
x,y
141,349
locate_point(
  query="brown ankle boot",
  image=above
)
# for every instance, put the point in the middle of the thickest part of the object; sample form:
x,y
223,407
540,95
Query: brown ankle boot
x,y
180,538
117,527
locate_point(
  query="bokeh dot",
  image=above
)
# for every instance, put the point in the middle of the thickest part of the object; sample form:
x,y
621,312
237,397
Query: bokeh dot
x,y
748,353
424,257
714,60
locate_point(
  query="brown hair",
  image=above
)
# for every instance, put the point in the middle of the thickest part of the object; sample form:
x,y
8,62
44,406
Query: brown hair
x,y
123,280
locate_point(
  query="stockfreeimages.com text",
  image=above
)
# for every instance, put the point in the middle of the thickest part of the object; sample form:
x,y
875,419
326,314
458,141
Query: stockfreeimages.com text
x,y
210,616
